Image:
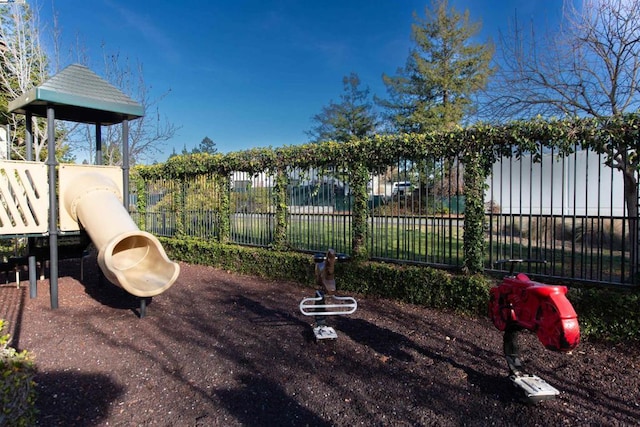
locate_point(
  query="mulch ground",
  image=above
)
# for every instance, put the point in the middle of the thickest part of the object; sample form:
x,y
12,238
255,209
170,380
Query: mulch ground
x,y
220,349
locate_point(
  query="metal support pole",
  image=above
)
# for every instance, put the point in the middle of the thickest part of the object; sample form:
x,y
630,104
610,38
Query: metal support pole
x,y
33,285
53,208
143,306
125,164
98,159
28,136
320,320
33,278
636,245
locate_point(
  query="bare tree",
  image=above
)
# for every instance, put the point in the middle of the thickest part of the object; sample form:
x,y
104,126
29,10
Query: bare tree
x,y
23,66
588,67
146,134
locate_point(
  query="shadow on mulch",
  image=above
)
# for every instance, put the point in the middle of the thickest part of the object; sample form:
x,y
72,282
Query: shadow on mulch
x,y
268,317
396,345
260,400
11,307
100,289
72,396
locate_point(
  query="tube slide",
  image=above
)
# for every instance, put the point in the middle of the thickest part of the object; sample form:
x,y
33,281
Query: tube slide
x,y
130,258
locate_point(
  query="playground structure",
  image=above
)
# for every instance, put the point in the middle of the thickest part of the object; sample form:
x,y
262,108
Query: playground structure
x,y
317,306
93,198
520,303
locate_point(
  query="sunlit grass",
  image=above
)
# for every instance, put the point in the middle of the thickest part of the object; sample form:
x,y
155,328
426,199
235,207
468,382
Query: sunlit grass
x,y
434,240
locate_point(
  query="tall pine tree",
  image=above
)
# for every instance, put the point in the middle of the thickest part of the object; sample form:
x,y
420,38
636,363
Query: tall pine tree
x,y
207,145
353,117
443,71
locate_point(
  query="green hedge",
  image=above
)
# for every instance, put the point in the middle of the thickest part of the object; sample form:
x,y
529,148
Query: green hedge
x,y
604,314
245,260
420,285
608,314
17,387
414,284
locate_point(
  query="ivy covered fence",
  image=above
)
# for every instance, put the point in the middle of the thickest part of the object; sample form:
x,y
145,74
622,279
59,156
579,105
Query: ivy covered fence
x,y
174,189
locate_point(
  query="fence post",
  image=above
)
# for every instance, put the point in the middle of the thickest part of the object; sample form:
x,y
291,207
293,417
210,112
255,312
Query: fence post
x,y
280,195
141,200
359,179
179,205
224,232
473,240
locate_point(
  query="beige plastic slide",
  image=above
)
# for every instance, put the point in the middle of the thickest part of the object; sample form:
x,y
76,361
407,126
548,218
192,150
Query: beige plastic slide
x,y
130,258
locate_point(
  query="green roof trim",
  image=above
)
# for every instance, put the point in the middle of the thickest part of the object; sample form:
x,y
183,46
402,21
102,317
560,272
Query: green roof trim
x,y
78,94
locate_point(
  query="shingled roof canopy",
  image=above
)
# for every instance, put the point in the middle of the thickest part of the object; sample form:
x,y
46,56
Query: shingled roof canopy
x,y
77,94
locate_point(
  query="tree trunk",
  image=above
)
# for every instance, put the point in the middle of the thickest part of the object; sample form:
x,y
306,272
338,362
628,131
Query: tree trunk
x,y
631,202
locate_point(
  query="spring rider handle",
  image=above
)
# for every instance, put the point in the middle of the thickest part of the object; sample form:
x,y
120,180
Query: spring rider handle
x,y
317,306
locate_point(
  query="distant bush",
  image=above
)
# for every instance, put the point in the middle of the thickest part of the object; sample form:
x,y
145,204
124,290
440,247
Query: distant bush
x,y
602,232
17,387
492,207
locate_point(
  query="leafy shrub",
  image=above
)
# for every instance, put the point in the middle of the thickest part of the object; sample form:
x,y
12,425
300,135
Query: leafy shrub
x,y
607,314
17,388
419,285
259,262
602,232
492,207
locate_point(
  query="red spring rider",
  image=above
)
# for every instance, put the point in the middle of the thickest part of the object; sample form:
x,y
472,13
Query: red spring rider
x,y
520,303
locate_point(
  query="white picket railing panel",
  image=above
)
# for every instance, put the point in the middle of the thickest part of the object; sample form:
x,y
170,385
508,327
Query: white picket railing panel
x,y
24,197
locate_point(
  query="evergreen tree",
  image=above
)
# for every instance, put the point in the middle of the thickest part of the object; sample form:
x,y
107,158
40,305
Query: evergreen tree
x,y
443,71
353,117
206,146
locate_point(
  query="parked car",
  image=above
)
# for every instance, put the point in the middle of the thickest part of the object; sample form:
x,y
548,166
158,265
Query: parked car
x,y
400,188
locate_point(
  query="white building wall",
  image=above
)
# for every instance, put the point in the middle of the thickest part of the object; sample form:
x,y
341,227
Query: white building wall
x,y
260,180
580,184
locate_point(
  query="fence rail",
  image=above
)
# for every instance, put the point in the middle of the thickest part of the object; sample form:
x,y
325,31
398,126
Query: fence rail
x,y
569,211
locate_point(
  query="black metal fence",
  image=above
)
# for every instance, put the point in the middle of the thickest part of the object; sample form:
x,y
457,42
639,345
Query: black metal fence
x,y
569,211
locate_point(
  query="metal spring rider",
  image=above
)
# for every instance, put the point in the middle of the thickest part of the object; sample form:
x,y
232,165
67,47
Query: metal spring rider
x,y
317,306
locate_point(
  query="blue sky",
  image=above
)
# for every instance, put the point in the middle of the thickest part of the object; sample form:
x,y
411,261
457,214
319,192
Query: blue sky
x,y
252,73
